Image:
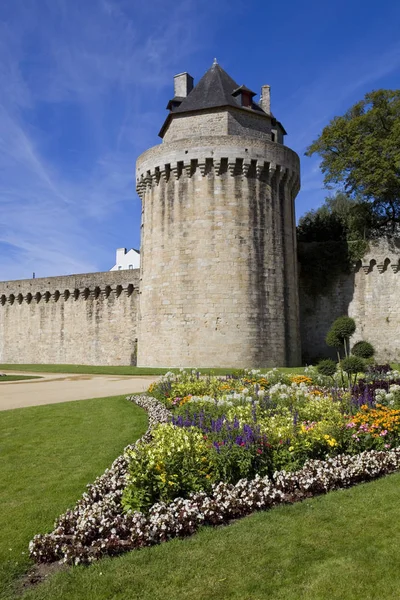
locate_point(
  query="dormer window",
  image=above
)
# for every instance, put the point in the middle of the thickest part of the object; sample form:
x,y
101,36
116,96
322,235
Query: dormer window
x,y
244,96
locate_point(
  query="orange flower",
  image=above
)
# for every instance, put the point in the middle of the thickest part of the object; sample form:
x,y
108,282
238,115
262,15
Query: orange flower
x,y
301,379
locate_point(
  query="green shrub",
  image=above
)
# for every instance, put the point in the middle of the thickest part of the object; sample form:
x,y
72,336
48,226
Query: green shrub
x,y
340,332
327,367
363,350
344,327
333,340
352,365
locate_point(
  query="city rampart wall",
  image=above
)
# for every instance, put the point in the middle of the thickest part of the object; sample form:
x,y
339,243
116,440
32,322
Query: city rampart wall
x,y
370,294
75,319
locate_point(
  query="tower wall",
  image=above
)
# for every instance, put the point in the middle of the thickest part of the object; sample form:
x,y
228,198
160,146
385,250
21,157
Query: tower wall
x,y
218,281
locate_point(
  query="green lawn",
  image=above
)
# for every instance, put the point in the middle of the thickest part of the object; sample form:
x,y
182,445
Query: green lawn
x,y
47,456
109,370
5,378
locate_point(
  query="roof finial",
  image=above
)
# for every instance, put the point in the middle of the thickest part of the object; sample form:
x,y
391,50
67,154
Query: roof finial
x,y
215,61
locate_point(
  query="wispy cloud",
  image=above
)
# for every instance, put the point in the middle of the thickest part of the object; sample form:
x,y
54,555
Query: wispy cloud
x,y
96,68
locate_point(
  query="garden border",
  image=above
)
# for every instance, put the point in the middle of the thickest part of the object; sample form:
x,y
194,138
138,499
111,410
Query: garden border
x,y
98,527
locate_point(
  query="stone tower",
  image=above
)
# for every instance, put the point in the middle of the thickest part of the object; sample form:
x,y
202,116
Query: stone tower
x,y
218,250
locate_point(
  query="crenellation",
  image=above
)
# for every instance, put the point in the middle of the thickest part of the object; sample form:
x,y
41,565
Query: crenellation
x,y
208,165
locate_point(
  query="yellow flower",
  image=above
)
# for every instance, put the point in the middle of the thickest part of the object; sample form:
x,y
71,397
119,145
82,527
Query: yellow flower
x,y
301,379
331,441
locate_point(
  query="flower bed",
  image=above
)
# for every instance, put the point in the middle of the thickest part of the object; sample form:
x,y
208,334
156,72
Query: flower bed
x,y
238,444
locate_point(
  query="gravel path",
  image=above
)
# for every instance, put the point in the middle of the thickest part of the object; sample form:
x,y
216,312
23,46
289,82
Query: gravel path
x,y
59,387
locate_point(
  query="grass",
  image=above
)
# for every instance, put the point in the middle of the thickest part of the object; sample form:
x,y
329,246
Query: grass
x,y
116,370
47,456
343,546
5,378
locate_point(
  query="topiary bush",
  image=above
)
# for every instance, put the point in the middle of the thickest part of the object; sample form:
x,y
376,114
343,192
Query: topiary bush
x,y
344,327
340,332
363,350
352,365
327,367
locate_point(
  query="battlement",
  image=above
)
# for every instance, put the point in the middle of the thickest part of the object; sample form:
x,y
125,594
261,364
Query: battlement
x,y
237,156
382,255
381,267
69,287
243,166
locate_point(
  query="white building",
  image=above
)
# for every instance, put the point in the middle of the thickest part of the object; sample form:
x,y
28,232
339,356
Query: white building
x,y
127,260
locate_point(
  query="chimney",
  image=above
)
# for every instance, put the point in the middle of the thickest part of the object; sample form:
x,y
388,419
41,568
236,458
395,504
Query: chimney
x,y
266,99
183,84
120,255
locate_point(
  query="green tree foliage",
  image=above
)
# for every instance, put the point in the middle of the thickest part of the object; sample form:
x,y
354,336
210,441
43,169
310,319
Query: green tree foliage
x,y
340,218
360,152
335,236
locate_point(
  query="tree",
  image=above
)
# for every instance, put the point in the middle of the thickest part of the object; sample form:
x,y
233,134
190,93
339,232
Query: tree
x,y
360,152
339,218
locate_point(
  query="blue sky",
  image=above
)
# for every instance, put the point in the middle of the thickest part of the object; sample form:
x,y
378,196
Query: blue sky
x,y
84,85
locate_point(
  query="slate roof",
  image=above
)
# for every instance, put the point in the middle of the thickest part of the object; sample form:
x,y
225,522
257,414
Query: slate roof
x,y
214,89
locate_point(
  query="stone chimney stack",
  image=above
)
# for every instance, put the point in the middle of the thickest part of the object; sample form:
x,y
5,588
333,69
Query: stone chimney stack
x,y
183,85
266,99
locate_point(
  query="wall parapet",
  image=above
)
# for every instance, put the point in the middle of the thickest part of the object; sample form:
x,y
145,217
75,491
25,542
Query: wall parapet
x,y
380,265
70,287
237,166
236,154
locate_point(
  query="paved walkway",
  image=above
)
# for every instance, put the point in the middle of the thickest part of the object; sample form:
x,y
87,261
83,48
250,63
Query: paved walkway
x,y
61,387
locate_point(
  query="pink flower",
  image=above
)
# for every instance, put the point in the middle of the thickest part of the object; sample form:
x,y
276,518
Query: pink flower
x,y
383,433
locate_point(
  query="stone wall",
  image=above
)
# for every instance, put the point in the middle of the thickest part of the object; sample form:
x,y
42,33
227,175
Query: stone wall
x,y
218,122
76,319
192,126
370,294
218,270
